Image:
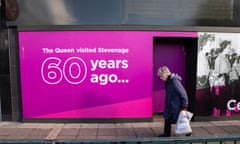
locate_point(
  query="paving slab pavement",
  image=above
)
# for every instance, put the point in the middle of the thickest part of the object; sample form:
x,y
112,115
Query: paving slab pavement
x,y
109,131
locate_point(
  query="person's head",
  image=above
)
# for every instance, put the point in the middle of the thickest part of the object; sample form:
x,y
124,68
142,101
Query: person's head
x,y
206,40
163,73
225,43
225,46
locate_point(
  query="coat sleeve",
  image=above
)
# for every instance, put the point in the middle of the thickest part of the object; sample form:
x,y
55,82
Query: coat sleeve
x,y
180,90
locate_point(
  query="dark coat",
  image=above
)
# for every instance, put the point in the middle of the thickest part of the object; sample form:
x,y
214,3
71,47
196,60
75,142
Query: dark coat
x,y
176,97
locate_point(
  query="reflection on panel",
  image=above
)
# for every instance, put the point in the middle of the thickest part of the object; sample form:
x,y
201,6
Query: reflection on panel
x,y
68,12
177,11
4,57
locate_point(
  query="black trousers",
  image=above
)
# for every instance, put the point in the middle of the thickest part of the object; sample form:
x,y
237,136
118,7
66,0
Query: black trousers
x,y
168,126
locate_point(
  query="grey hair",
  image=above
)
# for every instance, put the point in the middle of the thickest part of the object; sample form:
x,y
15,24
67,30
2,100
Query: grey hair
x,y
163,70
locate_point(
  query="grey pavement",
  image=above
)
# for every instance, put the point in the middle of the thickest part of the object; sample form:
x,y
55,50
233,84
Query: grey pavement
x,y
108,131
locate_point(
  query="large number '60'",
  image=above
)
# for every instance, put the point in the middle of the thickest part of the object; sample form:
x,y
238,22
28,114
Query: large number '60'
x,y
73,70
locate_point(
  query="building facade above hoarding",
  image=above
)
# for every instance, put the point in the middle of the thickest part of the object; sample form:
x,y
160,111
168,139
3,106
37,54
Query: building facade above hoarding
x,y
128,12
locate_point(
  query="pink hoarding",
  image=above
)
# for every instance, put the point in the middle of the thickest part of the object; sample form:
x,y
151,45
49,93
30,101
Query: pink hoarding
x,y
87,74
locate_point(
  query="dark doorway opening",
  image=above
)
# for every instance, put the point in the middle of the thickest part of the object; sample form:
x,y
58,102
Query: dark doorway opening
x,y
5,91
180,55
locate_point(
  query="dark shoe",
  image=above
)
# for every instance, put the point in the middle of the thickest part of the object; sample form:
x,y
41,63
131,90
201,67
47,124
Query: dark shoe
x,y
189,134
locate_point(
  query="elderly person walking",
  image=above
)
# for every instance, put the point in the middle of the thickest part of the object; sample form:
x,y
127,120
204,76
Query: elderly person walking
x,y
176,98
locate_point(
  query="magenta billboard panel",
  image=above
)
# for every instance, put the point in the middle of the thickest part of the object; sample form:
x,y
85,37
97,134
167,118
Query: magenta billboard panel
x,y
87,74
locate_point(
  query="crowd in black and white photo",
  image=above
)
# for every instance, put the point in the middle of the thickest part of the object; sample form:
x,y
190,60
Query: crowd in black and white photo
x,y
218,69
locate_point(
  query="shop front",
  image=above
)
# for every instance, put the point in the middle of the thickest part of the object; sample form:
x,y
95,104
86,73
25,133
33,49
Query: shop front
x,y
97,61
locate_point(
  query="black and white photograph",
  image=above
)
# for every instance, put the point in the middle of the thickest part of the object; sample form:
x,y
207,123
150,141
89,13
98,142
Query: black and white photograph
x,y
218,71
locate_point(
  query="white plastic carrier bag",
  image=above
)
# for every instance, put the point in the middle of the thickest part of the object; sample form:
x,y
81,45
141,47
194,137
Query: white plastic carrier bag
x,y
183,123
